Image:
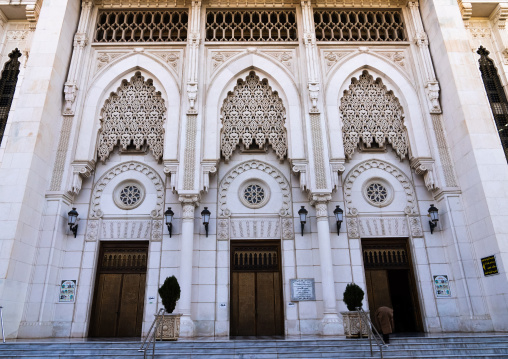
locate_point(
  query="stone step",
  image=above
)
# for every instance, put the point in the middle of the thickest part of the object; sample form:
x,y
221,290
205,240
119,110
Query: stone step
x,y
451,346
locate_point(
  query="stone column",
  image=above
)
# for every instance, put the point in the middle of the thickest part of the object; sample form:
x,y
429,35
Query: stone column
x,y
189,203
331,325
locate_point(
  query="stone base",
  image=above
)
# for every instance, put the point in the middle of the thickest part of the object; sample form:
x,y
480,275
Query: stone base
x,y
169,329
331,325
353,326
187,327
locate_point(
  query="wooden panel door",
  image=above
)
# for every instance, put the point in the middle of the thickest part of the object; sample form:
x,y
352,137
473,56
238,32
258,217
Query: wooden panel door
x,y
117,309
256,289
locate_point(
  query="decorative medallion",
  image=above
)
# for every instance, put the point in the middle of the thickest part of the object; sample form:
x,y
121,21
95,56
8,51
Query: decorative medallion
x,y
254,193
129,194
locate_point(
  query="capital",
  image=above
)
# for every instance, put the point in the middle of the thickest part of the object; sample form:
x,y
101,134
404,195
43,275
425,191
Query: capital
x,y
189,203
320,201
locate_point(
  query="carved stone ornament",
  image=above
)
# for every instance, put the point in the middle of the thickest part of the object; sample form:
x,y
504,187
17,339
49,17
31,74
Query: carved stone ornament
x,y
16,35
95,204
172,171
79,172
432,90
333,57
70,91
300,167
352,227
218,58
252,112
157,230
133,116
223,229
383,227
287,228
92,230
397,57
425,167
255,228
405,182
189,204
105,58
284,57
172,58
371,113
337,169
320,201
285,188
415,226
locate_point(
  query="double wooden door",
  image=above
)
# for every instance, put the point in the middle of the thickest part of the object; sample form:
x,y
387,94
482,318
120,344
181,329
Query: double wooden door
x,y
391,283
117,309
256,289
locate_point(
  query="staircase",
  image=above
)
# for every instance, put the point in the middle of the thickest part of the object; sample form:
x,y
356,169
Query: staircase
x,y
471,346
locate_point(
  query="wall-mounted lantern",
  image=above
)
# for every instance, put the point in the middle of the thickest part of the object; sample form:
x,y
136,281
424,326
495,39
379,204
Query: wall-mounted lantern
x,y
303,216
206,219
73,221
168,215
339,217
434,218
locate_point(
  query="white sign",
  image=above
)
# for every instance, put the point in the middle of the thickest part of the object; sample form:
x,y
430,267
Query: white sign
x,y
302,289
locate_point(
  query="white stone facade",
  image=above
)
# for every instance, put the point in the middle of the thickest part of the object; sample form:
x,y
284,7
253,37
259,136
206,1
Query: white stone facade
x,y
439,146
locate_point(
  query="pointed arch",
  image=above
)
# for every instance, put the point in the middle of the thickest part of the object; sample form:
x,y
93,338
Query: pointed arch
x,y
108,82
226,79
371,113
252,112
133,115
395,81
8,82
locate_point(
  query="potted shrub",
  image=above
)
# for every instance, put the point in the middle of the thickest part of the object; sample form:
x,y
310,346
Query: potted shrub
x,y
169,292
353,297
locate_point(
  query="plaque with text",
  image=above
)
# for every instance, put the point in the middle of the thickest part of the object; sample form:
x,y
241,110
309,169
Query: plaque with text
x,y
489,265
302,289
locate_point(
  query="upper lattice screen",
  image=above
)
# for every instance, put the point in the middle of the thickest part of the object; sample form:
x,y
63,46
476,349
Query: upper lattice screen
x,y
251,25
359,25
141,26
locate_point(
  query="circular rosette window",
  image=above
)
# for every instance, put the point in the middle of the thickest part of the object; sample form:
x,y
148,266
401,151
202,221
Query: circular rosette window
x,y
129,194
378,192
254,193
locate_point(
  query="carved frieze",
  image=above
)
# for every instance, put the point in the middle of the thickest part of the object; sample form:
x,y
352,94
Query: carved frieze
x,y
250,228
377,227
222,229
125,229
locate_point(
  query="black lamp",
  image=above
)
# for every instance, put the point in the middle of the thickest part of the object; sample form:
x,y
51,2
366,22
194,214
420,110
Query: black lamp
x,y
73,221
169,219
339,217
434,217
206,219
303,216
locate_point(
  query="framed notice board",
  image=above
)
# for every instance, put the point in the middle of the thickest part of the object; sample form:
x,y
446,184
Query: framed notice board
x,y
489,265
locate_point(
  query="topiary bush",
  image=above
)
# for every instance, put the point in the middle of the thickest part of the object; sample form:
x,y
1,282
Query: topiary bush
x,y
353,296
170,293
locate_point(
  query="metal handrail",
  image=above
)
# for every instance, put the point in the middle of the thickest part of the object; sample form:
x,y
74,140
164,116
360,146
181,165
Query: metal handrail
x,y
2,321
151,336
372,331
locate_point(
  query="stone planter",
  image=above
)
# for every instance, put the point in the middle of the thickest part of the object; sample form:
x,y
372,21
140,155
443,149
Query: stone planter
x,y
170,327
352,325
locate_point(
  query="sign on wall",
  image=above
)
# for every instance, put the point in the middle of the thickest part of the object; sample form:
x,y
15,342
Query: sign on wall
x,y
489,265
302,289
67,291
442,286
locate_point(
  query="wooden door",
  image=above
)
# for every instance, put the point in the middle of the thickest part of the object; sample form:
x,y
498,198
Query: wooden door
x,y
117,309
390,282
256,289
